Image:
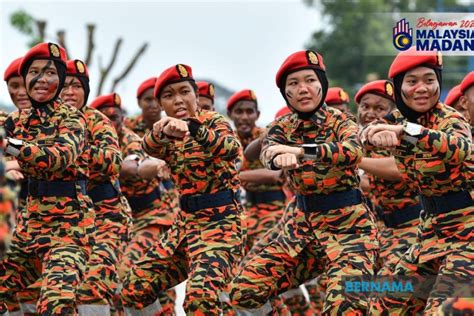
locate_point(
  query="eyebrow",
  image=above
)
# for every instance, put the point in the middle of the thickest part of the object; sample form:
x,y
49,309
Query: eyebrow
x,y
422,75
45,68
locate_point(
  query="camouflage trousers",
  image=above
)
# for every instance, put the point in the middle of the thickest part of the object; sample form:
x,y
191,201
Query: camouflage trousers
x,y
440,265
394,242
261,218
62,270
204,246
142,241
59,232
292,298
341,242
113,222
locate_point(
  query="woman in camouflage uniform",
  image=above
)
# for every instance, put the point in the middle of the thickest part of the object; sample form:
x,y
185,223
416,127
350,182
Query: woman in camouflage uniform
x,y
320,149
47,141
431,144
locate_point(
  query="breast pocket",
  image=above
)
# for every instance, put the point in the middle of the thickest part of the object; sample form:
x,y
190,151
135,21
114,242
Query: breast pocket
x,y
428,165
193,151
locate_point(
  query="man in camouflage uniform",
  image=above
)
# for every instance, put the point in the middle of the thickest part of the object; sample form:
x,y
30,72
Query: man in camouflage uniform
x,y
206,95
205,242
112,213
320,149
396,205
265,199
338,98
47,142
431,144
142,124
453,99
152,214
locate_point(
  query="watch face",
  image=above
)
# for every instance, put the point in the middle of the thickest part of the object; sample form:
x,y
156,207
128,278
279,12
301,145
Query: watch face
x,y
16,142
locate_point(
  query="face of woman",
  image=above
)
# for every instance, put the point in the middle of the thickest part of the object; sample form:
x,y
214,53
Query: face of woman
x,y
17,91
303,90
179,100
420,89
42,80
73,92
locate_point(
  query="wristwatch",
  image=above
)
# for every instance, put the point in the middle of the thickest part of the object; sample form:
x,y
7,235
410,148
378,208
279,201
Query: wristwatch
x,y
412,129
132,157
13,146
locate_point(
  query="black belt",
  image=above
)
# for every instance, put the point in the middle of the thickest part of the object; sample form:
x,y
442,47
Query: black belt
x,y
264,197
55,188
167,184
326,202
446,203
103,191
141,202
23,190
402,216
192,203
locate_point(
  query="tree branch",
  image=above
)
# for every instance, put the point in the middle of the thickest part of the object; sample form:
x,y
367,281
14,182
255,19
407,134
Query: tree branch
x,y
90,43
41,29
105,72
61,34
130,66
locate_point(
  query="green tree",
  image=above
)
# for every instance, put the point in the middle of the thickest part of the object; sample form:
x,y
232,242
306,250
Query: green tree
x,y
354,38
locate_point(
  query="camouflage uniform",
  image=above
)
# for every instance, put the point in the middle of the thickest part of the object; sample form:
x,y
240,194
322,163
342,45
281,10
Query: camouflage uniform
x,y
205,242
5,210
60,221
398,207
342,237
265,203
294,301
113,218
152,217
170,194
437,164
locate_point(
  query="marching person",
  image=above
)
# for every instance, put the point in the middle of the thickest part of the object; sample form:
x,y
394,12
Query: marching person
x,y
47,141
205,243
319,147
431,144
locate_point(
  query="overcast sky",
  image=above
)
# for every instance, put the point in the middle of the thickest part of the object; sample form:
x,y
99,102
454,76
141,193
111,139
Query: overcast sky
x,y
240,44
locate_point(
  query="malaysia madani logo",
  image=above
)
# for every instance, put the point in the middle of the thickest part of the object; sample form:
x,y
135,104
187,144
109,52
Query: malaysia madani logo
x,y
402,35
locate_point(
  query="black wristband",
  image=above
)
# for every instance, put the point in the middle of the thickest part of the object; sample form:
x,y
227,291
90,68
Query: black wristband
x,y
310,150
272,164
193,127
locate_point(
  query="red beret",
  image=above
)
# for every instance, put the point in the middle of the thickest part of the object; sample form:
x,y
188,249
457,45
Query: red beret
x,y
283,111
176,73
336,95
76,67
145,85
44,51
412,58
453,95
383,88
246,94
13,70
467,82
300,60
107,100
206,89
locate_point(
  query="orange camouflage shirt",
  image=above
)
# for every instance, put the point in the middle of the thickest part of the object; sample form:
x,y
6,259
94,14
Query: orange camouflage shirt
x,y
204,163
